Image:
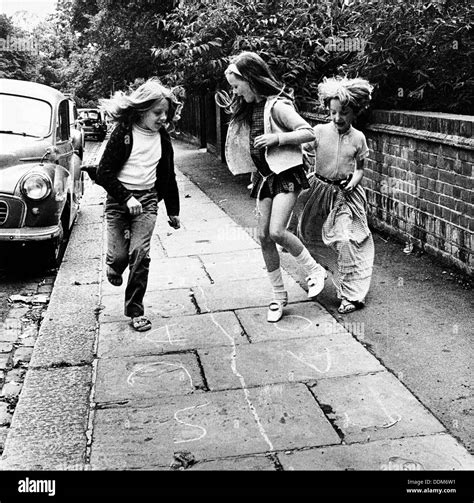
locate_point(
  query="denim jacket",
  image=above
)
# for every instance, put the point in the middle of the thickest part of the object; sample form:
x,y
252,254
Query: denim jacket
x,y
116,153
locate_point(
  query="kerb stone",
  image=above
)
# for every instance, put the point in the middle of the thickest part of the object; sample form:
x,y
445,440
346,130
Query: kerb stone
x,y
50,421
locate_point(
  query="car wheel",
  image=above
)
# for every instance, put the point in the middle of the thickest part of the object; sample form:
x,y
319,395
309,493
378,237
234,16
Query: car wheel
x,y
52,251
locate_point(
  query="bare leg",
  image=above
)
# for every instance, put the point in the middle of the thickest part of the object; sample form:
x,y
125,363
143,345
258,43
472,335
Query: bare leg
x,y
269,249
281,209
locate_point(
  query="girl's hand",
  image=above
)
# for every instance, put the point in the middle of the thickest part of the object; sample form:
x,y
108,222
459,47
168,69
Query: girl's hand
x,y
266,140
349,187
134,206
174,221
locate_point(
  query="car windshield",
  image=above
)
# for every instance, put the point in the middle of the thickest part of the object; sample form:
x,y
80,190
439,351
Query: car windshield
x,y
25,116
89,115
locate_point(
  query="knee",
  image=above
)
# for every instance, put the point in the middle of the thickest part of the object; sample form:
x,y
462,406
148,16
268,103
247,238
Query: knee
x,y
117,257
139,255
264,239
277,234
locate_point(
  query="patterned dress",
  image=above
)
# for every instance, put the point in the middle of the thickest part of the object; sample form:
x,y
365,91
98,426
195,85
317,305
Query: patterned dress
x,y
333,223
265,182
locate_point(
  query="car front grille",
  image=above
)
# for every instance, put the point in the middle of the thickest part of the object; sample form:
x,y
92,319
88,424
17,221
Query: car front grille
x,y
12,211
3,212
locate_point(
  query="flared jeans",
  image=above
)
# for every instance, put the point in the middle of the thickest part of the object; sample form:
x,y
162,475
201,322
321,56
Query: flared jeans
x,y
128,243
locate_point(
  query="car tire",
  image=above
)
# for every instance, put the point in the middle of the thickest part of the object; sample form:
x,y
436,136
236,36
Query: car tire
x,y
52,251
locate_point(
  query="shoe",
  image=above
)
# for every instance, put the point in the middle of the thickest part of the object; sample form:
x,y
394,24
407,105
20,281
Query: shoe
x,y
275,310
316,282
114,278
141,323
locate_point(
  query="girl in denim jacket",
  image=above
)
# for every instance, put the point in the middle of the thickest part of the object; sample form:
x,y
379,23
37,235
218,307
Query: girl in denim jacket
x,y
137,171
266,134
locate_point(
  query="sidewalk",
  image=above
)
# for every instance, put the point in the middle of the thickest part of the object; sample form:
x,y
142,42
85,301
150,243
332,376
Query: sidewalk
x,y
212,385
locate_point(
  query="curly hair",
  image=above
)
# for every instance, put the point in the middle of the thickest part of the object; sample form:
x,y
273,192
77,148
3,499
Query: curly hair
x,y
129,108
250,67
355,93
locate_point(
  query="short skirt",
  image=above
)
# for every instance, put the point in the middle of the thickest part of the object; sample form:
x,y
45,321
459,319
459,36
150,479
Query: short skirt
x,y
290,180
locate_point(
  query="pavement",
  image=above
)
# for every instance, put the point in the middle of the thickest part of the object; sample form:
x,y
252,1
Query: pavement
x,y
212,386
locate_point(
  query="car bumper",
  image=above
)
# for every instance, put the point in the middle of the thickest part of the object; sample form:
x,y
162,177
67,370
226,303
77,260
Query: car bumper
x,y
29,233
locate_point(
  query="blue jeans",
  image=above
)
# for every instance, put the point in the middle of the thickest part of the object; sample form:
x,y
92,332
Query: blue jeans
x,y
128,243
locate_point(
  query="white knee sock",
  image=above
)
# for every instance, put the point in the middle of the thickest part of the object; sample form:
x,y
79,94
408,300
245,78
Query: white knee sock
x,y
307,262
276,280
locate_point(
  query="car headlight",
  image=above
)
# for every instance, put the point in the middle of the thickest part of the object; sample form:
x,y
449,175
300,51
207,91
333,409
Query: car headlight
x,y
36,186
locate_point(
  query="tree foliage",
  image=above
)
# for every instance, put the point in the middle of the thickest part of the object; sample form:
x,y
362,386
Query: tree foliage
x,y
16,63
418,54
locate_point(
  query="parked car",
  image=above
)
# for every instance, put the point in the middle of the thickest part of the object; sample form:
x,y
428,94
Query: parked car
x,y
41,182
93,123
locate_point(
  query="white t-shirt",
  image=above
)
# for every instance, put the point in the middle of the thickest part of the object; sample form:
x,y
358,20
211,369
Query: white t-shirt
x,y
139,171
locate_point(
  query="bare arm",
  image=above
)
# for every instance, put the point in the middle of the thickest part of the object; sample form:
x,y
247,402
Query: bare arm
x,y
299,131
357,176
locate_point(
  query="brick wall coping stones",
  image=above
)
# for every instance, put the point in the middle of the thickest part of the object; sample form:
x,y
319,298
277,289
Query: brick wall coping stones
x,y
447,129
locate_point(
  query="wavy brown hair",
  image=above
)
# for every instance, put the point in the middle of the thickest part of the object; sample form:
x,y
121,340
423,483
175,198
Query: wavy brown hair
x,y
261,79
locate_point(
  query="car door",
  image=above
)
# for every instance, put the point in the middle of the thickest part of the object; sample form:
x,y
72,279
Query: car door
x,y
69,179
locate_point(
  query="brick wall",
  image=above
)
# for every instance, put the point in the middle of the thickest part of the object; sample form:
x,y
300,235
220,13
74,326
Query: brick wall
x,y
419,180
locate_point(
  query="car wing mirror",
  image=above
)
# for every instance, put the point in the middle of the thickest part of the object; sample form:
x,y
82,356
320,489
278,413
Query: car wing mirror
x,y
52,154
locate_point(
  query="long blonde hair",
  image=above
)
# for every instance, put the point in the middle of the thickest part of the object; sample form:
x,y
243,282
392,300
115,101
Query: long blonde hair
x,y
129,108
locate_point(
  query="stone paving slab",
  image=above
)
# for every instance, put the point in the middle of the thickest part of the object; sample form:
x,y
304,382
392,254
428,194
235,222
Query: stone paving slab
x,y
247,463
215,225
167,274
182,272
373,407
209,425
158,304
175,334
50,420
432,452
306,319
242,294
296,360
141,377
196,242
247,264
199,212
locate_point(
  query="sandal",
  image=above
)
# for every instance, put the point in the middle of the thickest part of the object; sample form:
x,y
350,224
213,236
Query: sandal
x,y
347,306
114,278
141,323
